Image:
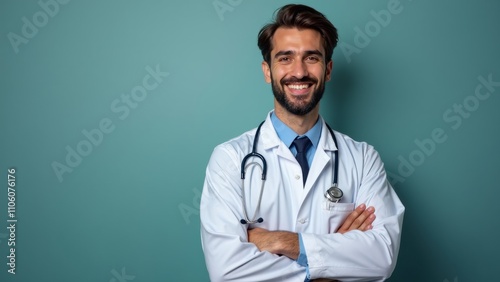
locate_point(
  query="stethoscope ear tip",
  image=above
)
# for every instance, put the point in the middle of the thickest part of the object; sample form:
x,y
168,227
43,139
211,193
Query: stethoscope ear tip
x,y
259,220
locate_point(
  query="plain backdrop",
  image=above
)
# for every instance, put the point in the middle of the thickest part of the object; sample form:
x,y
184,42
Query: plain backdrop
x,y
109,111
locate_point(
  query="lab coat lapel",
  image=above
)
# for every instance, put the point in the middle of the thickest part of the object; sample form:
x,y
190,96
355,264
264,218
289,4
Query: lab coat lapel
x,y
270,139
321,158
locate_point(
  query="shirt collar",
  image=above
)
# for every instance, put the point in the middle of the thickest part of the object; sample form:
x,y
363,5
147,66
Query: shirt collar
x,y
287,135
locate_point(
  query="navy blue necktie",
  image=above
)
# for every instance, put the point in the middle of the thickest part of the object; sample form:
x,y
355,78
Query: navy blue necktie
x,y
302,144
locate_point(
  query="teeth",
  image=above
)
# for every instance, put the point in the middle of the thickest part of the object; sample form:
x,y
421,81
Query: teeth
x,y
298,87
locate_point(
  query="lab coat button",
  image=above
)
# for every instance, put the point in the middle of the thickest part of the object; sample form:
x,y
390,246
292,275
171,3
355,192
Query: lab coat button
x,y
302,220
297,176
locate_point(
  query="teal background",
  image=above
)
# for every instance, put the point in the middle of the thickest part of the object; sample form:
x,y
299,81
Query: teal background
x,y
131,206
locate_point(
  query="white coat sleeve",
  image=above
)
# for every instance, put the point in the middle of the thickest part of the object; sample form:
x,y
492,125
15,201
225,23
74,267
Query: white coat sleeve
x,y
356,255
228,254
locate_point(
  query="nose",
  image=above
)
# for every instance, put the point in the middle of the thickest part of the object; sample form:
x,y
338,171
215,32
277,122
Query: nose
x,y
299,69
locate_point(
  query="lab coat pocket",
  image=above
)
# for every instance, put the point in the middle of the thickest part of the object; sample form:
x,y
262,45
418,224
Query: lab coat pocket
x,y
335,214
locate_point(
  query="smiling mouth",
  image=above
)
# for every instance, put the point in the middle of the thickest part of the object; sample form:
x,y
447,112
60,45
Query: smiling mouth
x,y
298,86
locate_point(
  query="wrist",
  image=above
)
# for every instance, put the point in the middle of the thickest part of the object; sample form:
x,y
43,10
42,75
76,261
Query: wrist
x,y
287,244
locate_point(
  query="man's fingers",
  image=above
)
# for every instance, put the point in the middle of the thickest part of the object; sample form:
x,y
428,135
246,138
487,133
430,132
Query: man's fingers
x,y
361,219
367,224
352,217
364,219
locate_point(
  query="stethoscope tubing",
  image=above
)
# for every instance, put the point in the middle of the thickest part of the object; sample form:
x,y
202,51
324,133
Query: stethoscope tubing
x,y
254,153
336,164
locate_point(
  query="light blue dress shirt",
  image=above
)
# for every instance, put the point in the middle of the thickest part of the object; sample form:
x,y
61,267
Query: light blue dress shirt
x,y
287,135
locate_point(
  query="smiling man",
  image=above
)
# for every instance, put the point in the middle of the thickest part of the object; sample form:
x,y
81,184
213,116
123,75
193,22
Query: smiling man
x,y
297,70
293,200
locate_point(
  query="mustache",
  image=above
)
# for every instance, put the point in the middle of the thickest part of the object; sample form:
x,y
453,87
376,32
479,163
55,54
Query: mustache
x,y
305,79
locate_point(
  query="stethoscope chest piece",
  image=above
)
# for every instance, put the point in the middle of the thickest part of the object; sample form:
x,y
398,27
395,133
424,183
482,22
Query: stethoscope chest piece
x,y
334,194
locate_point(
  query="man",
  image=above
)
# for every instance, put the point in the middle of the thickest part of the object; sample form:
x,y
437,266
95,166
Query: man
x,y
299,234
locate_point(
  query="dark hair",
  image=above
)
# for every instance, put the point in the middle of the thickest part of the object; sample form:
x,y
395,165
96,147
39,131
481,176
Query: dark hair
x,y
300,17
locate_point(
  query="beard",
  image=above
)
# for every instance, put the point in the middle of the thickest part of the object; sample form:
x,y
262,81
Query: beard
x,y
301,107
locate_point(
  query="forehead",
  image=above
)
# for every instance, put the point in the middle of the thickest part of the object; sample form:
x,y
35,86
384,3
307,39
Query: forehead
x,y
293,39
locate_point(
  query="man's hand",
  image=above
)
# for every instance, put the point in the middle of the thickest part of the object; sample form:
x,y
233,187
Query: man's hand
x,y
360,219
276,242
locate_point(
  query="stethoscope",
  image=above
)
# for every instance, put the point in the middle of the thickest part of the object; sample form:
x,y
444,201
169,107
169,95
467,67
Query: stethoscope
x,y
333,194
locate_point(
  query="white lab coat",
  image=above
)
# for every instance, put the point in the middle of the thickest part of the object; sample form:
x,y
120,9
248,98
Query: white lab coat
x,y
289,205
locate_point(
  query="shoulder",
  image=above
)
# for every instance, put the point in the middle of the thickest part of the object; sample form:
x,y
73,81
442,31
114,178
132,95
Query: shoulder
x,y
347,142
235,149
238,143
357,149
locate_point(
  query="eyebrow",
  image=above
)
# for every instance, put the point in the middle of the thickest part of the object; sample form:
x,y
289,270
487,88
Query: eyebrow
x,y
290,52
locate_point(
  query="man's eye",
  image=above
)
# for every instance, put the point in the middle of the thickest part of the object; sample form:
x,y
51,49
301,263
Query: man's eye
x,y
284,59
312,59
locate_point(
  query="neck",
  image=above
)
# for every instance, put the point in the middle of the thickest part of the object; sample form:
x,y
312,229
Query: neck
x,y
299,124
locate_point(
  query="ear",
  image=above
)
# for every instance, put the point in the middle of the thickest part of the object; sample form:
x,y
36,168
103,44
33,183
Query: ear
x,y
329,67
266,69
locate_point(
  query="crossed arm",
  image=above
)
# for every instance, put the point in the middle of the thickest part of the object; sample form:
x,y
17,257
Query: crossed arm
x,y
287,243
